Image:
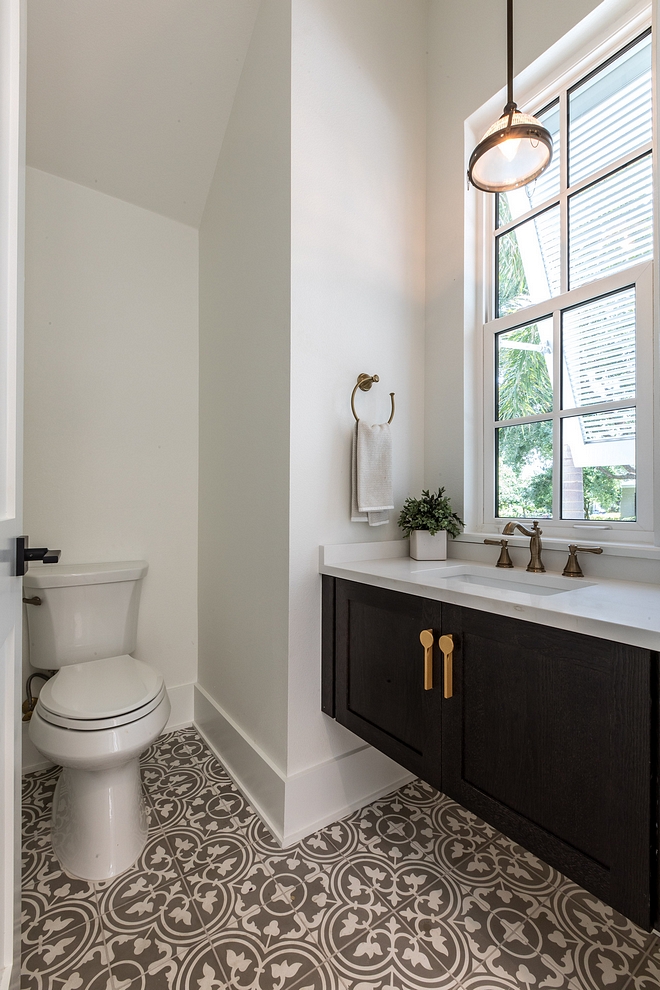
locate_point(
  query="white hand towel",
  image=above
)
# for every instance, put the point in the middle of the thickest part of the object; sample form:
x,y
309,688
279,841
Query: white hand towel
x,y
371,475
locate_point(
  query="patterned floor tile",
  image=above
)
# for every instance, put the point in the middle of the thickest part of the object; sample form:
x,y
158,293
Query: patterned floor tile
x,y
584,916
409,893
392,830
37,799
211,811
319,848
390,954
590,957
171,747
252,902
529,861
343,836
152,933
494,865
459,832
595,921
335,902
181,751
396,884
155,867
602,968
463,925
41,871
517,961
182,967
39,920
58,955
180,782
491,975
448,928
647,974
447,816
282,965
419,793
259,836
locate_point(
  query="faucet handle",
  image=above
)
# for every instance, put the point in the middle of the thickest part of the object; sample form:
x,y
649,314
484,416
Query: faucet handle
x,y
573,568
504,560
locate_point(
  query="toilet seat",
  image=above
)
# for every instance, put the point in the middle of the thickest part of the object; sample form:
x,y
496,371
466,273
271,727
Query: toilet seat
x,y
100,694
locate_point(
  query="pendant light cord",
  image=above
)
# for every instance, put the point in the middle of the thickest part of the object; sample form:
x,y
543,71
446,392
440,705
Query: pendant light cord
x,y
509,54
496,174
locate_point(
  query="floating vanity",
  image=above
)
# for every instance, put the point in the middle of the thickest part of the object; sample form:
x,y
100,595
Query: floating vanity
x,y
531,699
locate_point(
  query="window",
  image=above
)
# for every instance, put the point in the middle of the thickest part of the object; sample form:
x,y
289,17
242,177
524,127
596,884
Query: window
x,y
568,347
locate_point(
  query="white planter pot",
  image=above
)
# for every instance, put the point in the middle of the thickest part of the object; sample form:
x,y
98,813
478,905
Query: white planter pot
x,y
423,546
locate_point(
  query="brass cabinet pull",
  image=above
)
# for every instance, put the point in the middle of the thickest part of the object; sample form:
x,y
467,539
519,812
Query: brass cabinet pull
x,y
426,639
446,644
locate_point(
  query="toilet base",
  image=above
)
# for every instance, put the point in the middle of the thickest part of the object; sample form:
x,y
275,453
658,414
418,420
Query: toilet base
x,y
99,820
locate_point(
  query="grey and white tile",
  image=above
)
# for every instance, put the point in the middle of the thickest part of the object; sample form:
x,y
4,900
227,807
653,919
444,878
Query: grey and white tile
x,y
60,954
155,867
37,798
391,954
153,933
282,965
412,892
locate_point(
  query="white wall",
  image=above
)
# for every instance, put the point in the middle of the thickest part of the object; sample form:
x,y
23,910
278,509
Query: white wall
x,y
311,271
244,399
357,277
111,370
467,65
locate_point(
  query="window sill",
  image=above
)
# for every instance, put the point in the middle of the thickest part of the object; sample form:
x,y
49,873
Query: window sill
x,y
615,549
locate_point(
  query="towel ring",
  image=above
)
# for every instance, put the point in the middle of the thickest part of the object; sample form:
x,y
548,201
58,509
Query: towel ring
x,y
364,382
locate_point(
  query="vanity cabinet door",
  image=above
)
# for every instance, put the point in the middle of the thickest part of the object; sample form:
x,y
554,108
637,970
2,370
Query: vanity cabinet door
x,y
548,738
379,674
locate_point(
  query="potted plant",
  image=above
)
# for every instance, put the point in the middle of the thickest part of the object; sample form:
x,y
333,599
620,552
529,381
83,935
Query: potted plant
x,y
427,520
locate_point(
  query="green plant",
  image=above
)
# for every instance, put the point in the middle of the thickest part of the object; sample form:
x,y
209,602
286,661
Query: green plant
x,y
431,512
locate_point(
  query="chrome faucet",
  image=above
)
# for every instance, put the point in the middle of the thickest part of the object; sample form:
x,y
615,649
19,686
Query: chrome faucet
x,y
535,546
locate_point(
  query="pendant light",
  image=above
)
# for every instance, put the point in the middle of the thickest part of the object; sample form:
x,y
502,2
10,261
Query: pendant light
x,y
517,147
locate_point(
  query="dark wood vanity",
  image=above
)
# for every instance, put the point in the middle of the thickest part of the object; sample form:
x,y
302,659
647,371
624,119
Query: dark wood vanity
x,y
550,736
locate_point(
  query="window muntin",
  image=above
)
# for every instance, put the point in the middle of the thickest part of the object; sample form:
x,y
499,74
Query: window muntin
x,y
528,262
598,351
610,223
611,111
525,470
598,466
524,371
565,446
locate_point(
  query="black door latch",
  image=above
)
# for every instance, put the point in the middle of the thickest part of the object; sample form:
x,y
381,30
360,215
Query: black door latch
x,y
24,554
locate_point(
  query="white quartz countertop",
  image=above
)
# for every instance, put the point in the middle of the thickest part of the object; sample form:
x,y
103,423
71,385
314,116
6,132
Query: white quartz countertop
x,y
621,611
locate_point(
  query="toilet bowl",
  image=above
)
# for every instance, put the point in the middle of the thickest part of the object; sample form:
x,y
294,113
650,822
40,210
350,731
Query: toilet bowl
x,y
97,714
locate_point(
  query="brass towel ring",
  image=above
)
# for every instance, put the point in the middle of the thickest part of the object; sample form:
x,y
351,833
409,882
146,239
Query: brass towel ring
x,y
364,382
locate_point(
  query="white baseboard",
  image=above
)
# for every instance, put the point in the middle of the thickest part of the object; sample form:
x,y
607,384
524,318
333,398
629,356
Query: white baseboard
x,y
329,791
182,700
296,806
259,779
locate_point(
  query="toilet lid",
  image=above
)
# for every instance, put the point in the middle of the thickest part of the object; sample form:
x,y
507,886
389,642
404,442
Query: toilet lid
x,y
101,689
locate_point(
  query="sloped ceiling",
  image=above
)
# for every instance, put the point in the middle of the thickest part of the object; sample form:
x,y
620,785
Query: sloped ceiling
x,y
132,97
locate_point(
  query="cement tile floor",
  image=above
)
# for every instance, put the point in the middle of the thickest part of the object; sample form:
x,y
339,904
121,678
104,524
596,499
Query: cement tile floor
x,y
411,892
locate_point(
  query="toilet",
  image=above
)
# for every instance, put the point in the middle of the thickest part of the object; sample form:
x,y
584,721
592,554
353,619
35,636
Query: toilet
x,y
98,713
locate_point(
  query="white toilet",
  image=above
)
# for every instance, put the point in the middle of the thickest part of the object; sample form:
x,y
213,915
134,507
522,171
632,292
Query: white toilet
x,y
98,713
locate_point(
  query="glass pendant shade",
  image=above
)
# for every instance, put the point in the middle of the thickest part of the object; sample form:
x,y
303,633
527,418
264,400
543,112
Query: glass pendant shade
x,y
512,152
517,147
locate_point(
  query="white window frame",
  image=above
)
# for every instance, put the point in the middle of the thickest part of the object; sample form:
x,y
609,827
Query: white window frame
x,y
592,42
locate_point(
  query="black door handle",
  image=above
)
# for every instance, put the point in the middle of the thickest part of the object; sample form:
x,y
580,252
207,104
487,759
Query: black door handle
x,y
24,554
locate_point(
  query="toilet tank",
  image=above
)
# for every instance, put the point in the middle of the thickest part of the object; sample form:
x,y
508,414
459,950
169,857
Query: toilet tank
x,y
87,611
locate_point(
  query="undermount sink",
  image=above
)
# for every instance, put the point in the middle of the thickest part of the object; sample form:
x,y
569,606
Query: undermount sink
x,y
522,583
